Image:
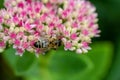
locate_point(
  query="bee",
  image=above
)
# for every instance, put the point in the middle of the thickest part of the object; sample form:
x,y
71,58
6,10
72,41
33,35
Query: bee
x,y
46,44
55,43
42,43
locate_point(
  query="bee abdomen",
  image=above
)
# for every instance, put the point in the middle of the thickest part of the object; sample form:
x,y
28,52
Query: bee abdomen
x,y
37,44
41,44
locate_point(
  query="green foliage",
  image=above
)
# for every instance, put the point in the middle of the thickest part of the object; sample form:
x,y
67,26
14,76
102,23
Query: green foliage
x,y
1,4
66,65
17,63
91,66
101,55
63,65
115,70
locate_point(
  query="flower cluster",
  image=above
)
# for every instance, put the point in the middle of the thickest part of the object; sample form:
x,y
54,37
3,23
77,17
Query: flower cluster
x,y
22,22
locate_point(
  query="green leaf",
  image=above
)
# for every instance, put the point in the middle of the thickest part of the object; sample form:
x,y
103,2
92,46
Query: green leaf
x,y
66,65
101,56
20,65
10,56
1,4
94,65
24,63
114,73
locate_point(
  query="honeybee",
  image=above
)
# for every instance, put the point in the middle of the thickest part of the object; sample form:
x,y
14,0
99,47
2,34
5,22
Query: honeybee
x,y
46,44
43,44
55,43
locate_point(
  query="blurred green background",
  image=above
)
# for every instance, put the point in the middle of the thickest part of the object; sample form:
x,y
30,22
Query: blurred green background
x,y
101,63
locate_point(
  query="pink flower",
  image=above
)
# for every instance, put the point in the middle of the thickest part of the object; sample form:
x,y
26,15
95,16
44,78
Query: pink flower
x,y
84,44
24,22
51,25
68,45
2,44
19,52
65,14
17,42
1,19
25,45
29,1
21,4
43,17
15,19
75,25
23,13
85,32
73,36
12,35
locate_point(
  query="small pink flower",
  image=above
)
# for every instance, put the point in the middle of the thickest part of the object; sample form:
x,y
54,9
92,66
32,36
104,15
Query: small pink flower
x,y
75,25
25,45
6,31
65,14
29,26
20,35
20,23
19,52
68,45
29,9
72,3
51,25
17,42
43,17
23,13
15,19
73,36
80,18
21,4
29,1
85,44
1,19
2,44
37,10
13,35
85,32
38,51
32,42
66,33
91,24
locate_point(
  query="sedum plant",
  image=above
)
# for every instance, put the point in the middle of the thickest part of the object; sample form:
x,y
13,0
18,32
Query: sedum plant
x,y
39,26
